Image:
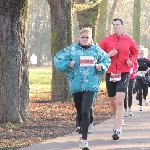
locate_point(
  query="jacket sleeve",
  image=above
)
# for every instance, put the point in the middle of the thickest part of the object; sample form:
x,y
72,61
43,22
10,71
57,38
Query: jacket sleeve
x,y
148,63
133,51
104,61
62,60
135,69
102,44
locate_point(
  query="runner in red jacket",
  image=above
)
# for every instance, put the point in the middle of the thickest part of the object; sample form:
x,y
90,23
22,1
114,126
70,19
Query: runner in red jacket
x,y
118,46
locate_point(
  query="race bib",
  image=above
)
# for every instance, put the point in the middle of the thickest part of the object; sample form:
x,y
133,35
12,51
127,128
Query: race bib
x,y
115,77
140,73
131,70
87,61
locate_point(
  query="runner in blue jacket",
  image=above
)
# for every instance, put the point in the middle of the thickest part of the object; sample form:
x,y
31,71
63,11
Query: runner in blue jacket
x,y
83,62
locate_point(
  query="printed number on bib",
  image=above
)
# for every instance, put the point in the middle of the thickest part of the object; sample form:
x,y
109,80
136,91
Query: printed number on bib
x,y
140,73
115,77
87,61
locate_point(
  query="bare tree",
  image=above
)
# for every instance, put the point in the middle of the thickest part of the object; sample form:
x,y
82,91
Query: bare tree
x,y
13,63
111,15
87,14
38,31
101,21
136,20
145,24
61,36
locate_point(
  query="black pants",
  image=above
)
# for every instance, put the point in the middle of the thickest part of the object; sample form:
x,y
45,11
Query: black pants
x,y
134,89
83,103
141,87
118,86
79,118
129,93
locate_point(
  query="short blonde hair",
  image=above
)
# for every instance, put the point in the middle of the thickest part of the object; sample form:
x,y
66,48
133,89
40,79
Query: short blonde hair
x,y
141,50
87,30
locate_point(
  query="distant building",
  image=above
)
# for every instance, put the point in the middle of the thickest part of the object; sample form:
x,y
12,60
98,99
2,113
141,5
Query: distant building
x,y
33,60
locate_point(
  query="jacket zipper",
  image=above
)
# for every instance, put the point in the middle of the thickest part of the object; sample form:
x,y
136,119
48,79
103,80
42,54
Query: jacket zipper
x,y
117,54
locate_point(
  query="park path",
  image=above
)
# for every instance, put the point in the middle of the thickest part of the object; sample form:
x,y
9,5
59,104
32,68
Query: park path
x,y
136,135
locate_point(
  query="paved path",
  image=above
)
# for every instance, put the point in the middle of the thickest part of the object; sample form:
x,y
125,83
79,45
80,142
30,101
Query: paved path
x,y
136,135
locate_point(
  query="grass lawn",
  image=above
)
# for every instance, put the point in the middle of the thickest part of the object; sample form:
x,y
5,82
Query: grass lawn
x,y
40,81
40,78
103,85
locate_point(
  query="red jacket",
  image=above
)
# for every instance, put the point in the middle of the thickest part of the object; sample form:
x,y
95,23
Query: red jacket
x,y
133,70
125,46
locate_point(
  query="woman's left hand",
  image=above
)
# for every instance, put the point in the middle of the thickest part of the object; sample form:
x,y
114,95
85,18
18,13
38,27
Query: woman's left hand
x,y
98,67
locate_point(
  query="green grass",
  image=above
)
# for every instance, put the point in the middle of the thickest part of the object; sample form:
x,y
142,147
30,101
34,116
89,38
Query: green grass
x,y
40,78
103,85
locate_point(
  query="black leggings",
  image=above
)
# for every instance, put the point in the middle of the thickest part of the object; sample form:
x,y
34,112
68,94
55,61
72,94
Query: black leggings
x,y
79,118
118,86
83,103
141,87
129,93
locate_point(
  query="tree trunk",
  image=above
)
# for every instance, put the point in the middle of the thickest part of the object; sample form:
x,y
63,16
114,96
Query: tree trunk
x,y
101,21
26,9
80,1
14,85
87,14
87,17
136,20
61,36
111,15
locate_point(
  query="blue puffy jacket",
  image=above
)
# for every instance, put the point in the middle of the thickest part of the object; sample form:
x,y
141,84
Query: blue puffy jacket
x,y
82,78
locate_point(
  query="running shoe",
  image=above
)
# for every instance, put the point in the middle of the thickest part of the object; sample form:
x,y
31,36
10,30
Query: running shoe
x,y
126,113
90,129
146,102
130,112
122,123
83,144
141,108
78,129
138,102
116,135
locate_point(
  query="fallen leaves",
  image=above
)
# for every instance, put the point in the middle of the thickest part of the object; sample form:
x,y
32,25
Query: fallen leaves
x,y
48,120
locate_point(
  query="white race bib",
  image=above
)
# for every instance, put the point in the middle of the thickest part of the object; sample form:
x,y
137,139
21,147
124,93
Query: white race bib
x,y
140,73
87,61
115,77
131,70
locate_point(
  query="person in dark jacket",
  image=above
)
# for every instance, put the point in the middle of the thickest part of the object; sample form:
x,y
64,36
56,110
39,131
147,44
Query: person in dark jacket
x,y
130,91
118,46
83,62
141,84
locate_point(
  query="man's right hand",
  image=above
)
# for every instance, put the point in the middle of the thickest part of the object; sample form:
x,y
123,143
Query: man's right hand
x,y
113,52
